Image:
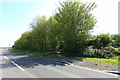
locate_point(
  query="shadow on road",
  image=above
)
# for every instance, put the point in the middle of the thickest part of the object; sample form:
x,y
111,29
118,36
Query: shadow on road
x,y
28,61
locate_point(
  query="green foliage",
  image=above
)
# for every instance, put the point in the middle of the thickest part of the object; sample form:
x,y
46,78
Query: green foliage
x,y
91,52
67,30
116,40
106,52
35,39
53,33
102,40
112,60
35,53
76,21
23,42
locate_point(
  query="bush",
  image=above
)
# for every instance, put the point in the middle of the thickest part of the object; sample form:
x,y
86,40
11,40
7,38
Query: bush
x,y
91,52
116,40
106,52
111,51
102,40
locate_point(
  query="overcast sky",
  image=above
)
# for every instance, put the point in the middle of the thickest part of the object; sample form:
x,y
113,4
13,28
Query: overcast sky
x,y
16,15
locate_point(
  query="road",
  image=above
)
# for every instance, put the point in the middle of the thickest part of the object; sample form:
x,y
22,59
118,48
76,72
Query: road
x,y
18,65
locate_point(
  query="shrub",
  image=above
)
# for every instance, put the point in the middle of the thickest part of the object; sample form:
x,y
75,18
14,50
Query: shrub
x,y
106,52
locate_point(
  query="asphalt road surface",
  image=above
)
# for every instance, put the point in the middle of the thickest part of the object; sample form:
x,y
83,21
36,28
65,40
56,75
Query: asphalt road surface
x,y
18,65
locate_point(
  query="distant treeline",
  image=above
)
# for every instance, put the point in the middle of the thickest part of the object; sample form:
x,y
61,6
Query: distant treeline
x,y
68,30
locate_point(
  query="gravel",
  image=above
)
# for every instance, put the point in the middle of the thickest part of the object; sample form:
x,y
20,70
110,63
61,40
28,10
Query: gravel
x,y
85,63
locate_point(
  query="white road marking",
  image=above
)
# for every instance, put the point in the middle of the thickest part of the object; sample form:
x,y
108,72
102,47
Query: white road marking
x,y
65,72
93,70
5,57
18,66
15,64
105,72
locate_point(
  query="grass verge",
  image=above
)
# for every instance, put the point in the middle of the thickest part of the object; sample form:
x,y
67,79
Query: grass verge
x,y
113,60
42,54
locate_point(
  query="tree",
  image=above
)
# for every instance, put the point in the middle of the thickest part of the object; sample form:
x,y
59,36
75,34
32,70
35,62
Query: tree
x,y
53,33
39,32
102,40
68,29
76,21
24,42
116,40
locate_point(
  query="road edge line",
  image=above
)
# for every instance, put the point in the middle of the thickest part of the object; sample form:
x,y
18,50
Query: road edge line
x,y
15,64
93,70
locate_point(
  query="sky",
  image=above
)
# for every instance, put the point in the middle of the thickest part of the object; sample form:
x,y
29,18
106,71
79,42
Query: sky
x,y
16,16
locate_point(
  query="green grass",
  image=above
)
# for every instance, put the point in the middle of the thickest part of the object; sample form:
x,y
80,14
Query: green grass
x,y
113,60
42,54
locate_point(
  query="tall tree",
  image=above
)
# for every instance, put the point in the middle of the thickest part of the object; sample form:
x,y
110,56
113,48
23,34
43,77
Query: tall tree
x,y
24,43
39,33
52,33
76,21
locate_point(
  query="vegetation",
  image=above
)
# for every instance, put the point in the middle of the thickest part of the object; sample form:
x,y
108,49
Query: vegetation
x,y
113,60
102,46
68,31
35,53
116,40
